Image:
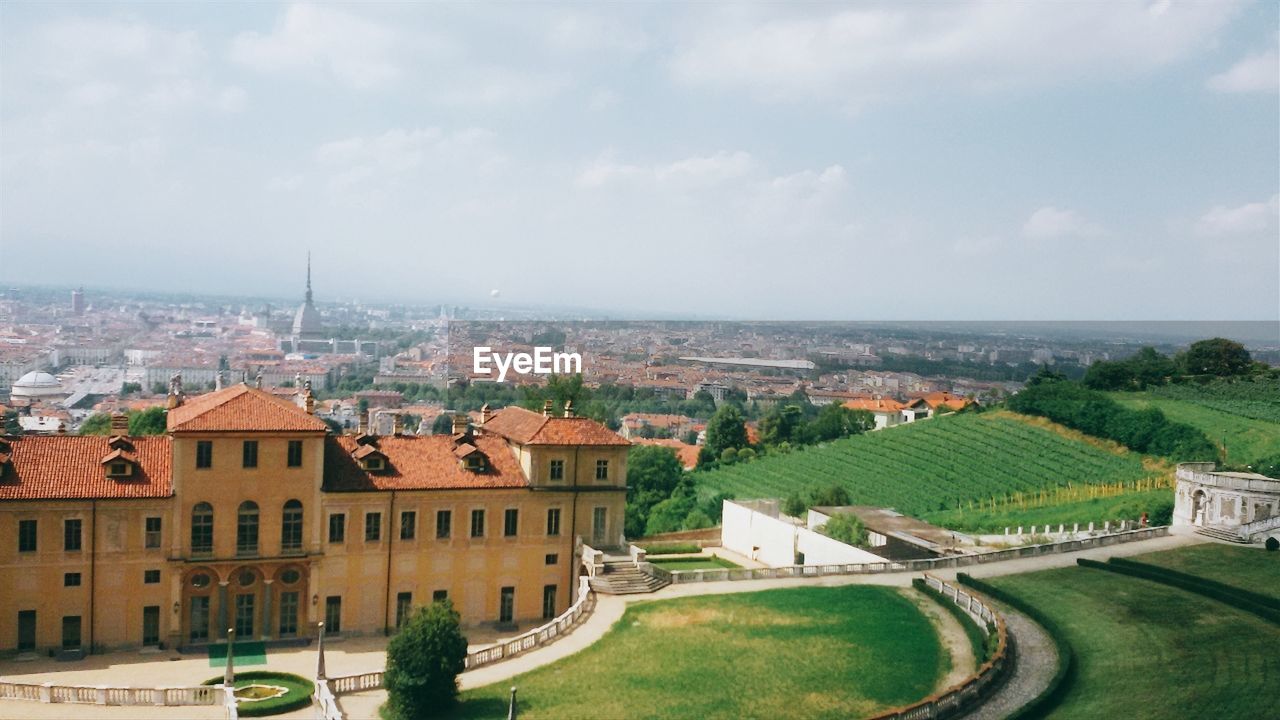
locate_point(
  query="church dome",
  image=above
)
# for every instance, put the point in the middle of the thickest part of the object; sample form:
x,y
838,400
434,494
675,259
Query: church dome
x,y
37,384
306,322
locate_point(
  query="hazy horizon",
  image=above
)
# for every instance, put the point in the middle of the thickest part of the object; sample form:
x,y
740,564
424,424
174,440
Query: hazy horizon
x,y
887,161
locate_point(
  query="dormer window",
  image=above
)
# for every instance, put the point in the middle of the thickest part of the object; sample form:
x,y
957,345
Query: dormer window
x,y
119,469
119,463
374,462
370,458
476,462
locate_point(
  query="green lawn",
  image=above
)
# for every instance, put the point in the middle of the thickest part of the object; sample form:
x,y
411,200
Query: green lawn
x,y
1247,439
1126,506
1146,650
694,563
797,652
1246,568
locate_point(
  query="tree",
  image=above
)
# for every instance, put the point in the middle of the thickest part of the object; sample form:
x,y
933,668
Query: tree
x,y
830,496
726,429
653,474
423,662
782,424
794,505
847,528
1217,356
152,421
130,388
443,424
837,421
96,424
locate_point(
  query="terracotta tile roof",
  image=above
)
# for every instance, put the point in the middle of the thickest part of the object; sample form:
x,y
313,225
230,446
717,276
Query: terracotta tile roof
x,y
881,405
688,454
55,467
241,408
530,428
416,462
943,398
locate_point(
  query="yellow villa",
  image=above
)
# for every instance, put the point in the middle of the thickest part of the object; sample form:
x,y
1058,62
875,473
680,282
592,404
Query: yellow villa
x,y
250,514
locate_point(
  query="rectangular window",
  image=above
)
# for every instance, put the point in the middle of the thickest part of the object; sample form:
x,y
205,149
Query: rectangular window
x,y
71,580
152,537
151,625
26,536
408,525
289,613
602,470
548,602
557,470
404,603
251,453
599,524
444,523
439,596
26,630
244,616
333,614
338,528
199,618
204,454
202,529
295,453
552,558
372,527
510,522
71,535
247,532
291,527
553,521
70,632
150,577
477,523
507,605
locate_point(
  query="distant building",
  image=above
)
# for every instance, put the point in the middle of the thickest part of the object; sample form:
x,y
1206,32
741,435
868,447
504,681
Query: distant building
x,y
308,332
77,301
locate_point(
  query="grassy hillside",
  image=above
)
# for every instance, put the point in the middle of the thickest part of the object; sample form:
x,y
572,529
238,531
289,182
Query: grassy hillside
x,y
798,652
1247,438
1123,506
1257,397
941,464
1146,650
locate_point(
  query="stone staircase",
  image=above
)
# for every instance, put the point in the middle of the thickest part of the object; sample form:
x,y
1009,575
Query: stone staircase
x,y
622,577
1230,535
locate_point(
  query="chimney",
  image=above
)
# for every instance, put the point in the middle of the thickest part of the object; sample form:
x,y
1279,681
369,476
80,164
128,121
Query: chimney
x,y
397,424
119,424
308,400
485,414
362,424
257,380
62,427
460,424
568,408
217,381
546,409
175,391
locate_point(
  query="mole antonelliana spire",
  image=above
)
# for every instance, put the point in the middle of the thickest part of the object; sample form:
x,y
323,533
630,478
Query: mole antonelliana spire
x,y
306,322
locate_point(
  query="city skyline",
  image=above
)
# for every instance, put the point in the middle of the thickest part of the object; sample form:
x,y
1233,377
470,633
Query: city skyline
x,y
823,162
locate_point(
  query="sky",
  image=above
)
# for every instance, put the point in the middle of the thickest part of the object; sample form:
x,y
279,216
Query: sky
x,y
947,161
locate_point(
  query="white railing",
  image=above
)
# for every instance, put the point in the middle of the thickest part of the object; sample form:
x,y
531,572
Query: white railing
x,y
973,689
637,555
107,695
924,565
1248,530
593,559
229,701
536,637
326,702
356,683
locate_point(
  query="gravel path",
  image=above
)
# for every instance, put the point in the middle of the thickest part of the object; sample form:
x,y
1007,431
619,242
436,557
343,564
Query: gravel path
x,y
1035,662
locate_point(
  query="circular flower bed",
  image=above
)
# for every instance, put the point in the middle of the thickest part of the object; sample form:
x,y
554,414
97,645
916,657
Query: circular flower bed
x,y
264,692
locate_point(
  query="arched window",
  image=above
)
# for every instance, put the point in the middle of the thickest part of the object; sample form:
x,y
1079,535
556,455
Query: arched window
x,y
291,527
202,528
247,529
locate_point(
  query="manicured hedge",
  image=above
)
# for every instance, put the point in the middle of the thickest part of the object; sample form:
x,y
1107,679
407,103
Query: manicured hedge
x,y
298,696
983,645
671,548
1049,698
1264,607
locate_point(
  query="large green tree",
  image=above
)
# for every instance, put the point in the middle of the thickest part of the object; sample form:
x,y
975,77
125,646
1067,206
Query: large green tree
x,y
726,429
423,662
653,474
141,422
1216,356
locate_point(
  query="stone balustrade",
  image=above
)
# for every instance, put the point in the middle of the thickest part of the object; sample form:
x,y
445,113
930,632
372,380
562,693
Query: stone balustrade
x,y
109,695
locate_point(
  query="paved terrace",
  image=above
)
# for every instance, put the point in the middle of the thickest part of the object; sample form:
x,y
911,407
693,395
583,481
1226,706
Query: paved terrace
x,y
360,655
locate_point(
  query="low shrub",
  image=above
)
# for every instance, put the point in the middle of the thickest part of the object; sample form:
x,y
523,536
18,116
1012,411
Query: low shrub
x,y
671,548
1265,607
1052,695
298,696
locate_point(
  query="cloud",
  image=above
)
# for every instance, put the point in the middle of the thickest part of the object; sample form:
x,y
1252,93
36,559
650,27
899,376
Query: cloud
x,y
1255,73
869,53
1222,221
690,171
1049,223
352,51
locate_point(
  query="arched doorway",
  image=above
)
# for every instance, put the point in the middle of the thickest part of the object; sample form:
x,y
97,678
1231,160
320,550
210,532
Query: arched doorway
x,y
198,620
1197,507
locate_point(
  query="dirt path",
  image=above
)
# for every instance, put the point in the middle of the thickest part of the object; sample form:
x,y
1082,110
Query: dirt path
x,y
1035,662
952,636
